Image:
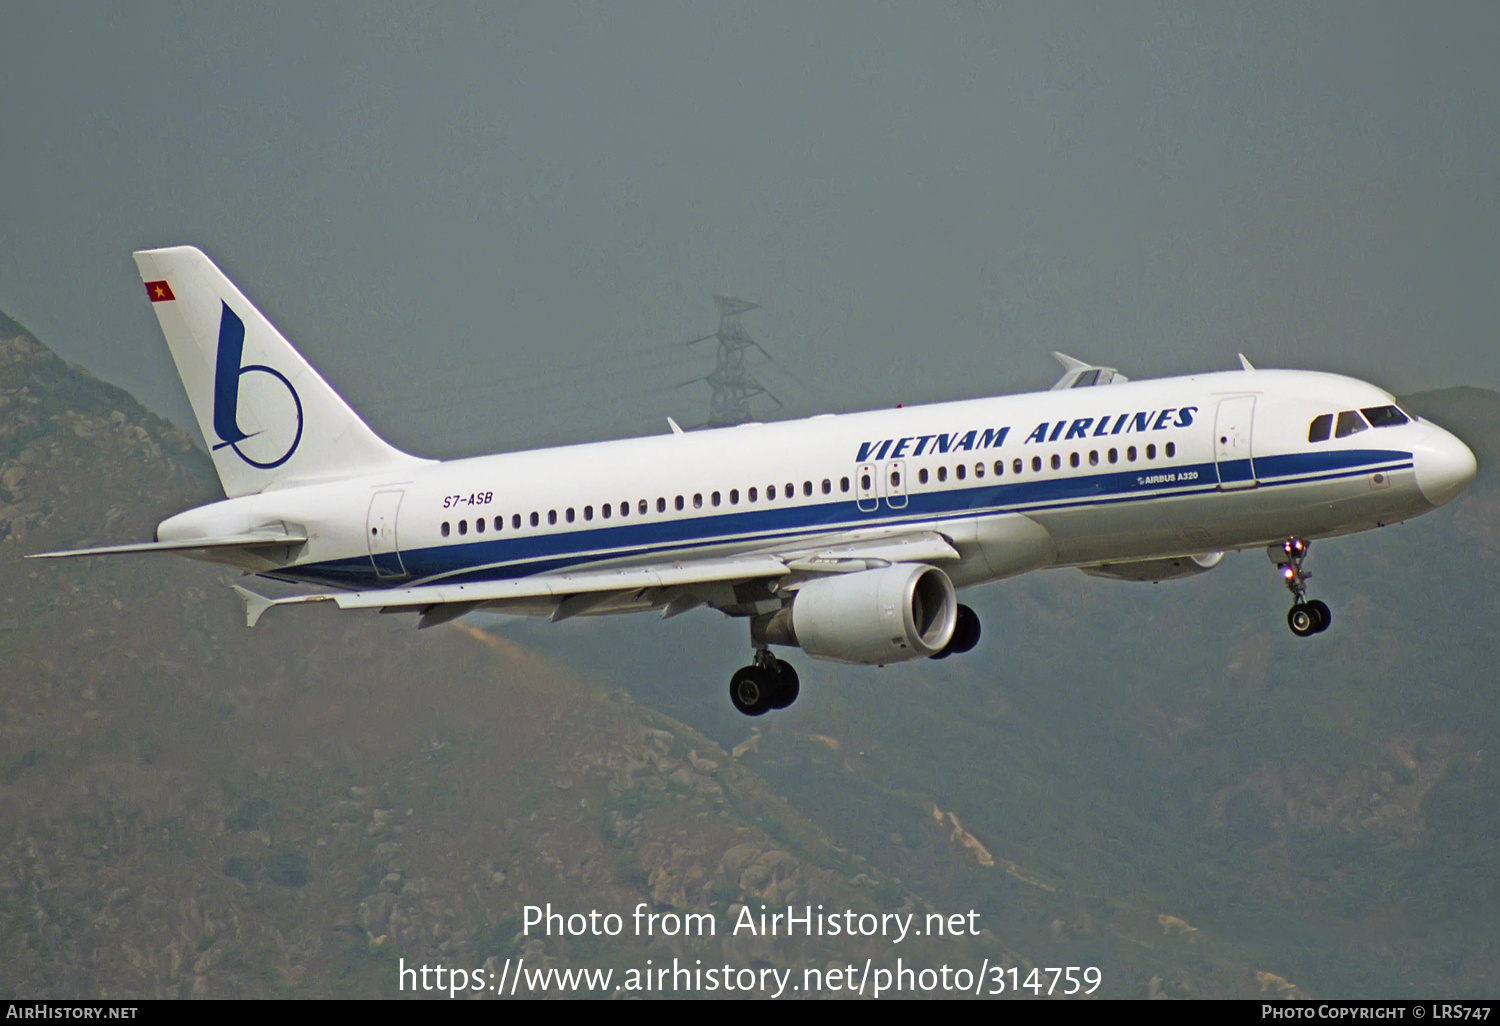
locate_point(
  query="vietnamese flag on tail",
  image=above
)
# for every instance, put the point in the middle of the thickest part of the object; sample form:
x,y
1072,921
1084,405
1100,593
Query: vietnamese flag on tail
x,y
159,291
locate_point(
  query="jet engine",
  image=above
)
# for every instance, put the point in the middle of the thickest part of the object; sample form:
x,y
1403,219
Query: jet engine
x,y
890,615
1153,570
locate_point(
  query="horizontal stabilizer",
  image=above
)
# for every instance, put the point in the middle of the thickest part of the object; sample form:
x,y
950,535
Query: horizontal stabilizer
x,y
234,541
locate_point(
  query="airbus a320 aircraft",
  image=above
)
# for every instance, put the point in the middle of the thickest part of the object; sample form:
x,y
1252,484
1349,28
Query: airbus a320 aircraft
x,y
844,536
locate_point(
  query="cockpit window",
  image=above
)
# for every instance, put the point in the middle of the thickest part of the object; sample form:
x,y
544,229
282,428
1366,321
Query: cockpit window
x,y
1350,423
1320,428
1384,416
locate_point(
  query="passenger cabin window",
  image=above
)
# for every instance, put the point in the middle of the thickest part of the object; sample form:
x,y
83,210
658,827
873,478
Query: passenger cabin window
x,y
1171,449
463,527
499,523
827,487
734,496
604,511
999,467
445,529
1384,416
922,476
942,473
806,488
1056,462
959,471
1130,453
1151,451
1114,455
1349,423
535,519
1320,428
715,498
843,484
979,470
479,526
697,500
770,492
552,516
568,516
750,495
1016,465
1036,463
1093,457
515,521
1072,459
679,502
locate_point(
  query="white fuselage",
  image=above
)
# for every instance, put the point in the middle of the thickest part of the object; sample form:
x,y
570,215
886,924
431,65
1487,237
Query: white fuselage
x,y
1076,477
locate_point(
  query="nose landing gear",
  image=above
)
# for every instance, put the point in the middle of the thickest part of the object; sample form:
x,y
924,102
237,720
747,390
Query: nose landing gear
x,y
767,683
1304,618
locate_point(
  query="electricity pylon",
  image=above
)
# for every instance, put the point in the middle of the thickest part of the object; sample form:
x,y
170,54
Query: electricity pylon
x,y
733,385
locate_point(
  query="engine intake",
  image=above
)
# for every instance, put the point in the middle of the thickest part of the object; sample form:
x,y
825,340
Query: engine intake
x,y
891,615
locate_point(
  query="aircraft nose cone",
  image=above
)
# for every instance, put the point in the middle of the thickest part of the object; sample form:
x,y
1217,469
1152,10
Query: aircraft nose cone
x,y
1444,467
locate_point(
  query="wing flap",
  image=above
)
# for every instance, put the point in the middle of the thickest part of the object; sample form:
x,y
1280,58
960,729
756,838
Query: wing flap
x,y
565,584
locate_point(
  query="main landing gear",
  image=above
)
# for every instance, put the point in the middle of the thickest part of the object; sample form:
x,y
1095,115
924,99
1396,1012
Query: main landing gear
x,y
766,684
1304,618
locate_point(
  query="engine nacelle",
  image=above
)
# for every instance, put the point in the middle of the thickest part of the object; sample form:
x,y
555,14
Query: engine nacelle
x,y
891,615
1154,570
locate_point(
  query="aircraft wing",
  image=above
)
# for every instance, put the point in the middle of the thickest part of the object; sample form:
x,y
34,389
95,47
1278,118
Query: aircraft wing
x,y
236,541
462,598
581,590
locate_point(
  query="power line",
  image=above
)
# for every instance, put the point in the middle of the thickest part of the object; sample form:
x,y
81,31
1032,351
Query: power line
x,y
493,386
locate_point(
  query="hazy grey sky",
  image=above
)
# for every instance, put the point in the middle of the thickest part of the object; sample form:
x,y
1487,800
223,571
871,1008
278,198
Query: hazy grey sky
x,y
464,215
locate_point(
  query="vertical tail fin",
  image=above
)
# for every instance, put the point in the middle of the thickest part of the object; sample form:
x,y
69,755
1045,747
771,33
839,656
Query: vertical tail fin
x,y
268,417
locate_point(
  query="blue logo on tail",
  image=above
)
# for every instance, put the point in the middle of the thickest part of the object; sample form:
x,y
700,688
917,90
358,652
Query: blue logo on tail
x,y
227,375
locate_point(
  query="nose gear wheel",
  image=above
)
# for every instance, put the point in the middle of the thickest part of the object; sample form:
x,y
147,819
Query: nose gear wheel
x,y
1305,618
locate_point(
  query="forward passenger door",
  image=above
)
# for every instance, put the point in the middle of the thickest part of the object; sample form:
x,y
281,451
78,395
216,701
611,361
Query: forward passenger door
x,y
1232,426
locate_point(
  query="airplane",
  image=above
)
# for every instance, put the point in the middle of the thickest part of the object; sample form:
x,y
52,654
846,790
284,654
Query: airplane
x,y
843,535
